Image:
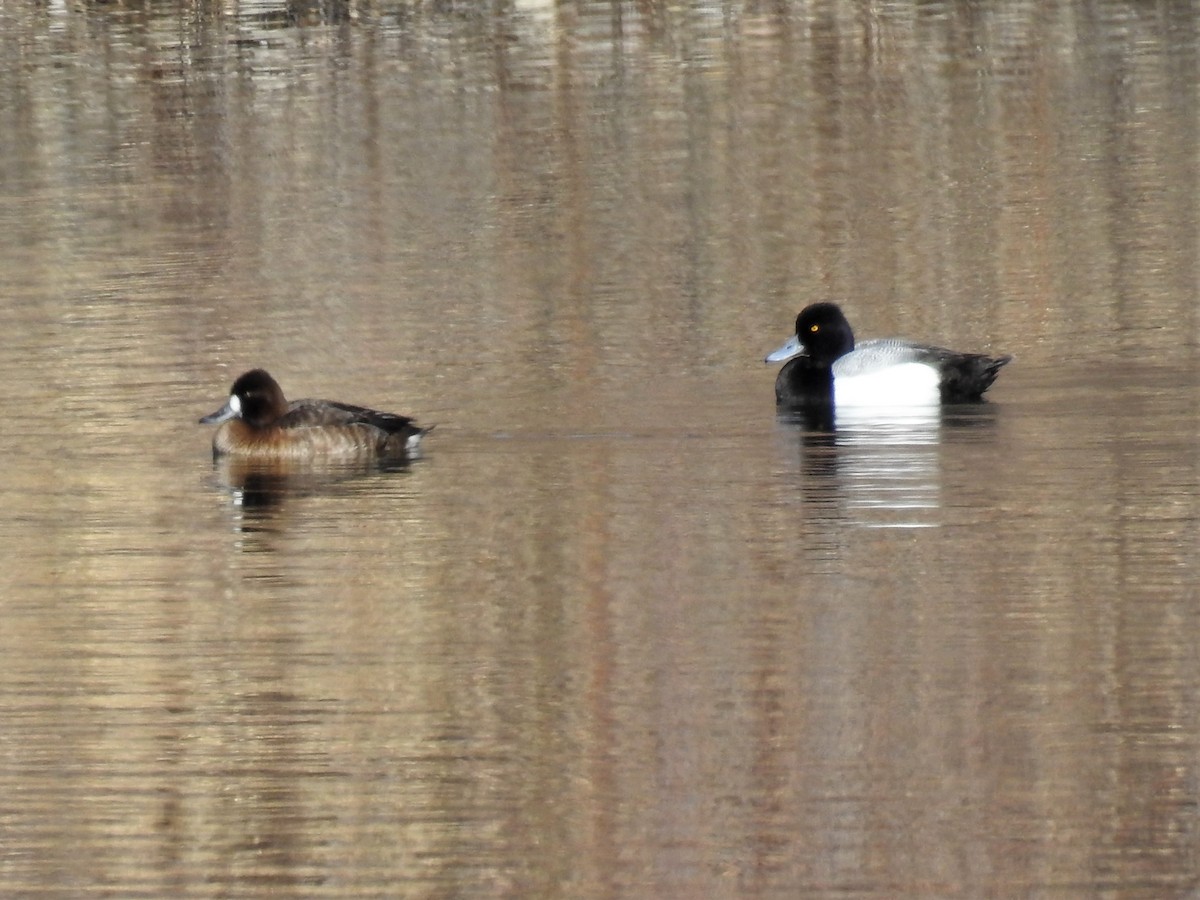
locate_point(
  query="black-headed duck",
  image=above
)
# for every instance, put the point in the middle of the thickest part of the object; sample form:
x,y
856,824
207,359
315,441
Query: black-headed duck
x,y
258,422
825,366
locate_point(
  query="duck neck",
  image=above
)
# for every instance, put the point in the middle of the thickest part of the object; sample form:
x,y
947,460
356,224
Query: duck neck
x,y
811,378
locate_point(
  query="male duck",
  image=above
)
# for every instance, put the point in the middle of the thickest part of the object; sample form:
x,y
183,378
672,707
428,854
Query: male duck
x,y
259,423
825,368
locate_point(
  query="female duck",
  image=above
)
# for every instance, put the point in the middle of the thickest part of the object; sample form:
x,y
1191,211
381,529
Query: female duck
x,y
826,368
259,423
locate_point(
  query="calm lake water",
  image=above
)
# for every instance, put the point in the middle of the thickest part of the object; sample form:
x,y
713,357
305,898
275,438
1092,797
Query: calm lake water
x,y
623,632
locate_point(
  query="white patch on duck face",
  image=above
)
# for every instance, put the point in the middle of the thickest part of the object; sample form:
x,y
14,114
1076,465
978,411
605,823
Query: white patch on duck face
x,y
235,404
908,384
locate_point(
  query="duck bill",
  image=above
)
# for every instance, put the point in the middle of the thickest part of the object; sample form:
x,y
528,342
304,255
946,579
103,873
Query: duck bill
x,y
228,411
787,351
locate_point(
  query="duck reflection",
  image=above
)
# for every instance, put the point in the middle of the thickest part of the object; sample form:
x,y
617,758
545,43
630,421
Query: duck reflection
x,y
877,468
259,489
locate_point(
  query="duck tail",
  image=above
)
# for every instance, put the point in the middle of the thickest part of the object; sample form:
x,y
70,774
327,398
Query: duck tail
x,y
987,368
991,369
971,377
412,445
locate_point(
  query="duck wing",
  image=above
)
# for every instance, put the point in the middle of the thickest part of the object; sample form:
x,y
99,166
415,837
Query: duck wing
x,y
318,413
871,357
962,377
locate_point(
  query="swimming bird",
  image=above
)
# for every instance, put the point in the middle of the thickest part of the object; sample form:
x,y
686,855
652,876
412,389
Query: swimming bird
x,y
257,422
826,368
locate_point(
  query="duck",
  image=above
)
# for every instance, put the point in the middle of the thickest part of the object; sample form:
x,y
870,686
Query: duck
x,y
259,423
824,367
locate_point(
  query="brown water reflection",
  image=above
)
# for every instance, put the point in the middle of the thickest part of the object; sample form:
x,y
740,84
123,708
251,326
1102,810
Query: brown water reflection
x,y
623,632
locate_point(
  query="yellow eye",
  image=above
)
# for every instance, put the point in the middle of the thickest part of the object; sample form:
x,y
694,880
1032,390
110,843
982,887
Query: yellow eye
x,y
814,328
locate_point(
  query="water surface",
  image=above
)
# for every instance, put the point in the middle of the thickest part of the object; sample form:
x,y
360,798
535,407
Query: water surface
x,y
624,632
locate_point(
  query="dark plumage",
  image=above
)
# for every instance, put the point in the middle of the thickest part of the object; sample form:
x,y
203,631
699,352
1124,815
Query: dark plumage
x,y
258,422
826,367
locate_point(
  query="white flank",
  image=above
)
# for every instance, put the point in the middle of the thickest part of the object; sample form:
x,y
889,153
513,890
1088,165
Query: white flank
x,y
908,384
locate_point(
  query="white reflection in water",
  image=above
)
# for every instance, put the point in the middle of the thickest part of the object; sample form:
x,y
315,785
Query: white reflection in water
x,y
889,470
880,468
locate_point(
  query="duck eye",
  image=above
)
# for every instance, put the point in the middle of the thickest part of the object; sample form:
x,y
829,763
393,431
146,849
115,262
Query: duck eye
x,y
814,328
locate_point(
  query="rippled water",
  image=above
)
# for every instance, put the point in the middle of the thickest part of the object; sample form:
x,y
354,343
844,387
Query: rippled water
x,y
624,632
